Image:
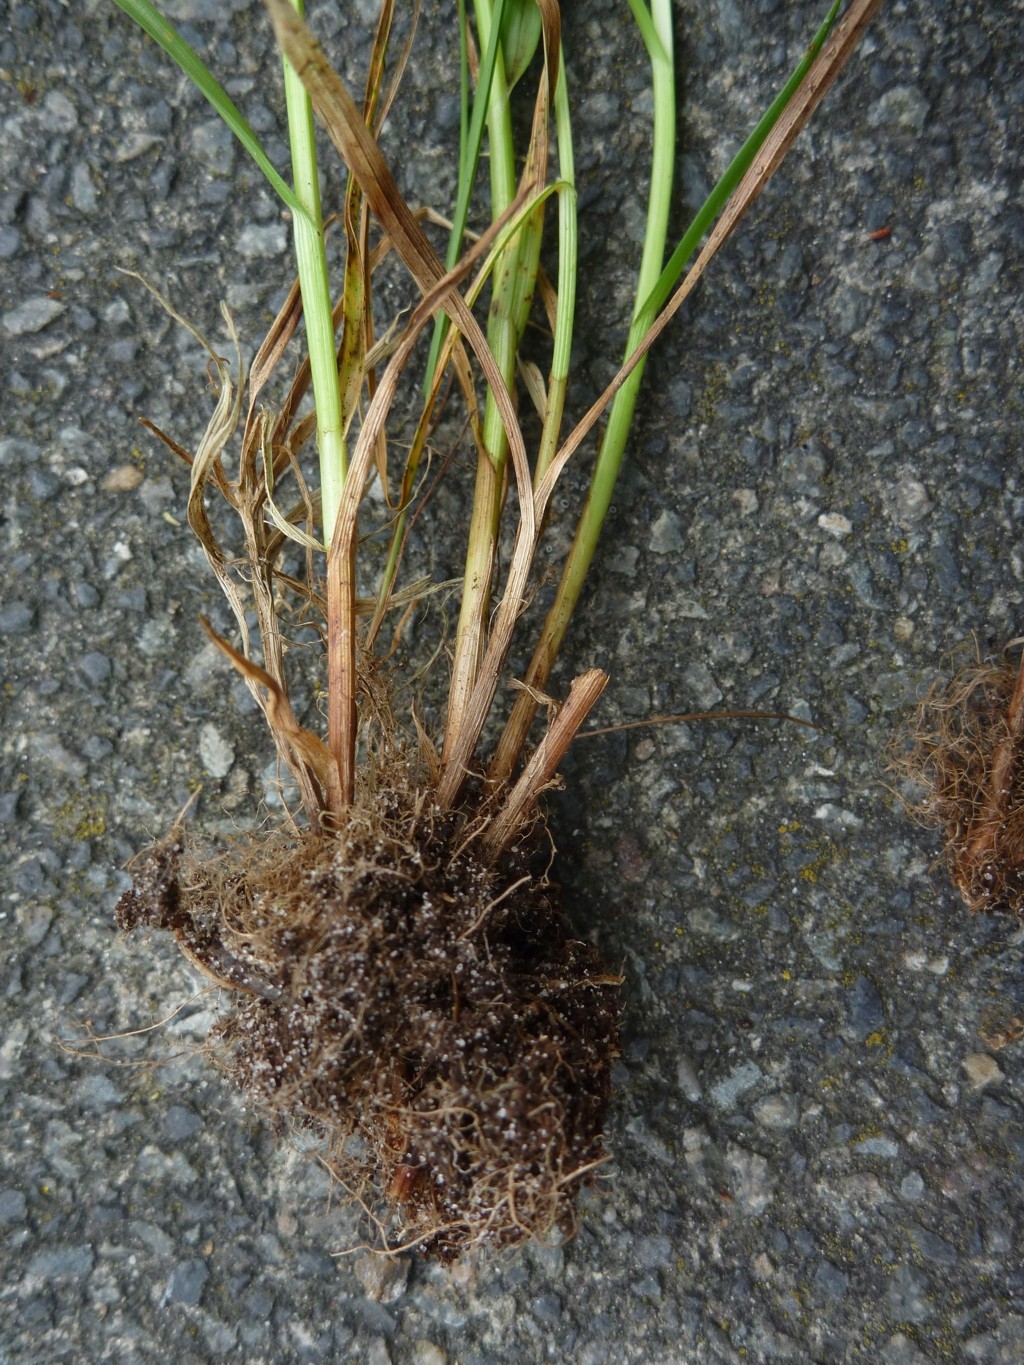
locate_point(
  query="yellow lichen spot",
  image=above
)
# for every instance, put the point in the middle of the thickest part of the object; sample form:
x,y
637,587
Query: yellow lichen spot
x,y
809,873
900,546
91,826
876,1039
787,975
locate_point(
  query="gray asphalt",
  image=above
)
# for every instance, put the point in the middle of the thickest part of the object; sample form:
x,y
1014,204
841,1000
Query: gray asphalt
x,y
817,1138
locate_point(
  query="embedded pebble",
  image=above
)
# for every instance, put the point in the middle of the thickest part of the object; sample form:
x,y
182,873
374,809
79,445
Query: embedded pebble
x,y
867,1014
186,1283
12,1206
58,114
16,618
213,144
877,1146
932,1247
739,1080
687,1080
912,1187
830,1282
61,1263
700,684
181,1122
96,667
32,316
84,194
777,1111
908,501
262,241
383,1281
981,1069
426,1353
666,535
216,752
122,479
97,1092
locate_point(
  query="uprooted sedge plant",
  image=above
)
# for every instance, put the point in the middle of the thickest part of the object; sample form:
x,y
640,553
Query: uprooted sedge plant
x,y
397,971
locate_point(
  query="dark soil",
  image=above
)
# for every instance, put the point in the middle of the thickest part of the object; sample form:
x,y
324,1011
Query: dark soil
x,y
429,1015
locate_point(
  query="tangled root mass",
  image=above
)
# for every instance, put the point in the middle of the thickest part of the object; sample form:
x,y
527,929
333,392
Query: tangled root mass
x,y
429,1015
966,754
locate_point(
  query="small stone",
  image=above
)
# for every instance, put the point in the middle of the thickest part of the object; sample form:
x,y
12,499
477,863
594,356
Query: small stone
x,y
382,1280
908,501
547,1308
96,667
216,752
623,560
186,1284
867,1014
746,500
830,1282
16,618
97,1092
181,1122
912,1187
62,1263
378,1353
83,192
687,1080
981,1069
877,1146
902,106
934,1248
34,922
701,686
122,479
654,1252
262,241
58,114
12,1206
739,1080
835,524
213,144
667,535
426,1353
48,747
777,1111
33,315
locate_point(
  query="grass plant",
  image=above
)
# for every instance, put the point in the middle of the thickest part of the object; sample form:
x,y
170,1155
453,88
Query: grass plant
x,y
398,973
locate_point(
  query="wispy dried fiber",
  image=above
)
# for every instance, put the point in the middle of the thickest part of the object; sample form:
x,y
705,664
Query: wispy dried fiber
x,y
966,754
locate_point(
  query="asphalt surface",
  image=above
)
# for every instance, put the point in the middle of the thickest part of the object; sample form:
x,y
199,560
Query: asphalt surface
x,y
817,1134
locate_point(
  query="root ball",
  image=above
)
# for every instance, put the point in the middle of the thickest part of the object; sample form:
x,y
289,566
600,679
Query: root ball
x,y
428,1014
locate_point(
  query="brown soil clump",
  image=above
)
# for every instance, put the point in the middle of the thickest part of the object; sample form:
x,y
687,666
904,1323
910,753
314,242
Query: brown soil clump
x,y
428,1014
967,753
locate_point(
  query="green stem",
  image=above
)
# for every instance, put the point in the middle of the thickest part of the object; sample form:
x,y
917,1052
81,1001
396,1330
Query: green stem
x,y
568,263
514,279
656,28
311,258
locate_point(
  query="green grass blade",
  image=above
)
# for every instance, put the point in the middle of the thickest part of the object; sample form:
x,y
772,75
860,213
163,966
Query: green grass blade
x,y
165,35
469,156
735,172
